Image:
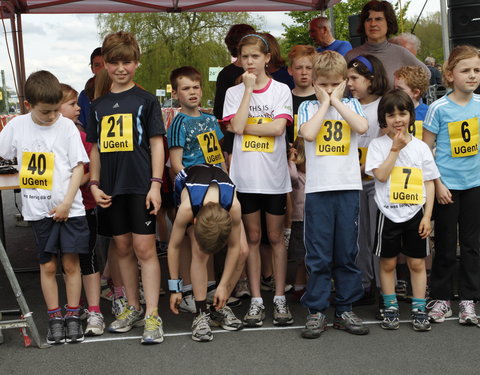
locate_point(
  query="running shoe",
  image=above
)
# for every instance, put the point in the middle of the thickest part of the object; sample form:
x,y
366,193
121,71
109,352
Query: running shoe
x,y
281,313
420,321
225,318
95,324
255,315
315,325
188,303
118,306
467,314
401,290
267,284
391,319
242,290
56,331
231,302
106,293
128,319
73,328
440,309
153,331
201,330
351,323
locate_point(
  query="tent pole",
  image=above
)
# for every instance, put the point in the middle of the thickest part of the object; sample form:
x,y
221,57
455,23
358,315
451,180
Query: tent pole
x,y
445,31
20,73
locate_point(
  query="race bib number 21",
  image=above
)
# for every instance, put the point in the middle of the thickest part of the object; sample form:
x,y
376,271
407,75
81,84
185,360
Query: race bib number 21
x,y
117,133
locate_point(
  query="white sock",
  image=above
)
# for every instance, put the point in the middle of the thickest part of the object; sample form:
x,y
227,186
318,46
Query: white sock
x,y
258,300
279,298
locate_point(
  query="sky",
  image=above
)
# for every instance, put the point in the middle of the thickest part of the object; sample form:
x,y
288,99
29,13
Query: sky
x,y
62,43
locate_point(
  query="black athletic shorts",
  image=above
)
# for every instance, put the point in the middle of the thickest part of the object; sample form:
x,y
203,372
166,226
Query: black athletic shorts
x,y
273,204
56,238
127,214
392,238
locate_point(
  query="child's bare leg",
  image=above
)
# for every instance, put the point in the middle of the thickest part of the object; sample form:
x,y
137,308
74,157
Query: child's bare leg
x,y
127,266
418,276
387,275
275,236
48,282
185,261
253,232
91,284
144,245
301,274
198,271
73,278
114,268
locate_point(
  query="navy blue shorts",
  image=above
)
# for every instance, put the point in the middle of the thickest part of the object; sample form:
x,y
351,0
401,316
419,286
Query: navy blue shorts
x,y
56,238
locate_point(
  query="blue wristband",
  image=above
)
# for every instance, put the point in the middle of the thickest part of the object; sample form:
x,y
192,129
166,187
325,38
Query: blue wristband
x,y
175,286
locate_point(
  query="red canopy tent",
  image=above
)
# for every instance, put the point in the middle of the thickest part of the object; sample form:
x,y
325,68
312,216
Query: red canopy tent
x,y
13,10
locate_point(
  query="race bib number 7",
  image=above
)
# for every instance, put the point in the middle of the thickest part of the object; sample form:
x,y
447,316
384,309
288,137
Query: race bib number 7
x,y
463,137
117,133
406,185
210,147
333,138
37,170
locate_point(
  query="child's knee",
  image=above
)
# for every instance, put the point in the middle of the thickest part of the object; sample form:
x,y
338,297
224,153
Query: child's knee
x,y
416,265
49,268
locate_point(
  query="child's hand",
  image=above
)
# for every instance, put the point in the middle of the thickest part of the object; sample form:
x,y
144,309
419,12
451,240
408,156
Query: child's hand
x,y
443,195
249,80
400,140
425,227
60,213
153,199
220,298
339,91
175,300
292,154
321,94
102,199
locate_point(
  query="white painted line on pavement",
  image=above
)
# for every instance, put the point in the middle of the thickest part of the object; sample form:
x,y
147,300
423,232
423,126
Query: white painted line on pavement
x,y
120,338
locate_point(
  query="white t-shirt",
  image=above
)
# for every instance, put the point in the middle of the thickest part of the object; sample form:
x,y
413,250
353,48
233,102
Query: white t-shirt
x,y
258,171
330,172
63,140
415,154
371,113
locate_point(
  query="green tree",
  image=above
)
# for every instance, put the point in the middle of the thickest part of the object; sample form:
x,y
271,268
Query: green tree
x,y
297,33
429,31
171,40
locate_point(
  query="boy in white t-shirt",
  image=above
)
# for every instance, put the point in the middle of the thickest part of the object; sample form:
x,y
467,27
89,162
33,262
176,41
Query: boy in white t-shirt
x,y
404,170
50,157
330,127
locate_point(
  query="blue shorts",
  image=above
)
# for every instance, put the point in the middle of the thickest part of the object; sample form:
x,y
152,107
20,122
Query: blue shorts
x,y
56,238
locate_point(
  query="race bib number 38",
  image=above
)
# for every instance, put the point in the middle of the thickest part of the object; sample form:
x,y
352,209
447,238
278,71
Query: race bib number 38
x,y
463,137
406,185
117,133
258,143
37,170
210,147
333,138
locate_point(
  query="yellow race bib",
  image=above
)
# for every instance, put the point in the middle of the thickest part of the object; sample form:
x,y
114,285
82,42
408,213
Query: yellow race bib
x,y
210,146
37,170
117,133
258,143
406,185
463,137
295,127
362,155
333,138
416,129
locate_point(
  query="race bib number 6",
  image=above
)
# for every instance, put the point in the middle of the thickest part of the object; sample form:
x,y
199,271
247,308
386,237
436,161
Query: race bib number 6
x,y
463,137
406,185
117,133
333,138
37,170
210,147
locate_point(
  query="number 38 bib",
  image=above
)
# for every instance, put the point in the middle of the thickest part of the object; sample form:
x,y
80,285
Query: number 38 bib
x,y
37,170
463,137
406,185
117,133
333,138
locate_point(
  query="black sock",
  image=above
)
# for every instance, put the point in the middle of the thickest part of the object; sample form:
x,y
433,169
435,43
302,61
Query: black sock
x,y
201,306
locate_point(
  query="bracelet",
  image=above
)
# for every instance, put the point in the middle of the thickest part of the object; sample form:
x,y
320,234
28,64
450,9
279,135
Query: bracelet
x,y
175,286
156,179
93,182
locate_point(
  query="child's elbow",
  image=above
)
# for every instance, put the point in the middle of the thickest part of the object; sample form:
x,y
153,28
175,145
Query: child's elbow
x,y
363,128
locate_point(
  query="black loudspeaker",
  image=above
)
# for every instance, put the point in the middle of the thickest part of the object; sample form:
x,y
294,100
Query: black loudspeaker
x,y
355,38
470,40
452,3
464,19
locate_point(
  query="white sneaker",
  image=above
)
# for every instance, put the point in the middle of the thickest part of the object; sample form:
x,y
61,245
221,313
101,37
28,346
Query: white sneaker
x,y
242,290
95,324
467,314
440,309
118,306
188,304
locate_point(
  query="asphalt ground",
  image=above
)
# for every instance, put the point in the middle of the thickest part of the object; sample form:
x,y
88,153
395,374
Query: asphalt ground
x,y
448,348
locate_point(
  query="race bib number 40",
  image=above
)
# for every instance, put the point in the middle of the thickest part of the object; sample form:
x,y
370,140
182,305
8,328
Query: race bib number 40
x,y
463,137
210,147
333,138
255,142
37,170
406,185
117,133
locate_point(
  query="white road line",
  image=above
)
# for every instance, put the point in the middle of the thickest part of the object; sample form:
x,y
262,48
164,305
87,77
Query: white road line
x,y
120,338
